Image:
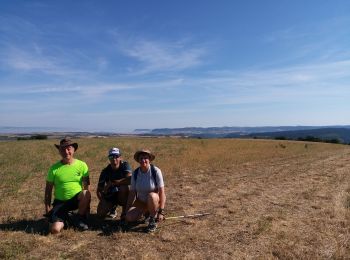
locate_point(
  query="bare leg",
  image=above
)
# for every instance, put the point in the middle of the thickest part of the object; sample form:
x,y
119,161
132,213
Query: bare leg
x,y
153,203
56,227
122,198
84,202
136,211
133,214
103,208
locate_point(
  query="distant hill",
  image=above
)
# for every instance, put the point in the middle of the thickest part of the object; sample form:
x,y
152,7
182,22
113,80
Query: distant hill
x,y
263,131
223,131
341,134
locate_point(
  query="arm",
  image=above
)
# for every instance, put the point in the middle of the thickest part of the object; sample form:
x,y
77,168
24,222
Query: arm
x,y
126,173
162,199
132,193
86,182
123,181
101,184
48,194
131,199
85,178
99,192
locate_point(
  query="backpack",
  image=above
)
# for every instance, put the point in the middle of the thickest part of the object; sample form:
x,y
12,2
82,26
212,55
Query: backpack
x,y
153,174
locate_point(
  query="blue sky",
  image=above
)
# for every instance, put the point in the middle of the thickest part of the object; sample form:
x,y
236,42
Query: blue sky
x,y
121,65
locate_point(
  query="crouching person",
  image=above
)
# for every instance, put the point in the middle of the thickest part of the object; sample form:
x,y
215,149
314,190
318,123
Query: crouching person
x,y
147,194
69,178
113,185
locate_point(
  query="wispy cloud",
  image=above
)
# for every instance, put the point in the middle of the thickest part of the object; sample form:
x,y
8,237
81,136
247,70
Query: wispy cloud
x,y
316,81
34,59
158,56
35,48
320,40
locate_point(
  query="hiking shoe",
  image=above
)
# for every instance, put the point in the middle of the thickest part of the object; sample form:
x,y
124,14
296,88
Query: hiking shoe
x,y
152,225
123,226
145,219
112,213
81,225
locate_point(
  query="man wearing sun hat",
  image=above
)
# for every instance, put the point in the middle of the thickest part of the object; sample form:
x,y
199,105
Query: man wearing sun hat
x,y
113,184
69,178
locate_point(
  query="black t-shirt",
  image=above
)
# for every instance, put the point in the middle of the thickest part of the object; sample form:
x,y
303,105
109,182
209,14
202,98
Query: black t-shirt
x,y
108,173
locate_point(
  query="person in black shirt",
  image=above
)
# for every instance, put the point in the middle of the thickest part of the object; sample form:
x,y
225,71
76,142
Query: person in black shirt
x,y
113,184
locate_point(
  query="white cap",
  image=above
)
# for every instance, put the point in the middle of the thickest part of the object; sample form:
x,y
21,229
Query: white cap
x,y
114,151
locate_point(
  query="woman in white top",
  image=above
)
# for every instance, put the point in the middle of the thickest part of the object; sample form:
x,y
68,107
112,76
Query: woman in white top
x,y
147,194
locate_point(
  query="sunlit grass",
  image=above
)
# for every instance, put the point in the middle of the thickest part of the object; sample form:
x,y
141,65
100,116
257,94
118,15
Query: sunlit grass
x,y
262,194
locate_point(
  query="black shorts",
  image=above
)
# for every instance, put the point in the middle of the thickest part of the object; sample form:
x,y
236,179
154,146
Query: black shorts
x,y
111,198
60,209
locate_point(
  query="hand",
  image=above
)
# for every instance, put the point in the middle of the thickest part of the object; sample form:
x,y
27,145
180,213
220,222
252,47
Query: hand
x,y
99,195
160,217
106,188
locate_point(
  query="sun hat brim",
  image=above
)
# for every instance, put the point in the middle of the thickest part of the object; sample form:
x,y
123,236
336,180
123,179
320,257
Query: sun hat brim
x,y
65,144
144,151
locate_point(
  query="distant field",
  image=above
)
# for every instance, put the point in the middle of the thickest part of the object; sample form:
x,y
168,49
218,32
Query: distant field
x,y
268,199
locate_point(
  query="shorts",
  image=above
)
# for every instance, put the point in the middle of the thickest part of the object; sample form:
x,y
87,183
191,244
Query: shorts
x,y
60,210
111,198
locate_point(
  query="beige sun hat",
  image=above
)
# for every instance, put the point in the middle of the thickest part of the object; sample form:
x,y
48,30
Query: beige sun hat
x,y
145,151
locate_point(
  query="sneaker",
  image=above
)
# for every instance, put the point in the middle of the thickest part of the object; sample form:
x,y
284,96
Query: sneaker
x,y
81,225
122,226
113,213
152,225
145,219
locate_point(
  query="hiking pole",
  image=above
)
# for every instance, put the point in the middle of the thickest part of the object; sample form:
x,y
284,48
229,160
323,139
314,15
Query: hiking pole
x,y
189,216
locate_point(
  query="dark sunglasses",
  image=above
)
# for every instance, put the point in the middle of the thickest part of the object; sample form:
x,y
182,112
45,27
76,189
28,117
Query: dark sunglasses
x,y
113,156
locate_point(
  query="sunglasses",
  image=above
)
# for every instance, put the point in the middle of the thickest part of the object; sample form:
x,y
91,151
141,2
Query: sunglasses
x,y
113,157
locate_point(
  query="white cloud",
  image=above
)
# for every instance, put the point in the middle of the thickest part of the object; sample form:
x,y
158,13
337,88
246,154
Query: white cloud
x,y
322,82
295,83
157,56
321,40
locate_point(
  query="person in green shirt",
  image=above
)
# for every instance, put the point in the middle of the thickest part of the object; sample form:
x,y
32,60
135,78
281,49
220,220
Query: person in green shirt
x,y
69,178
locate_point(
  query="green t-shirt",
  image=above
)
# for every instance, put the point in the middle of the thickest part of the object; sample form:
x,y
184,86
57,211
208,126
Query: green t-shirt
x,y
67,178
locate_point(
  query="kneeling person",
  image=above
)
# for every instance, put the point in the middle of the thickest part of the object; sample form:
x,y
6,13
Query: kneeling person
x,y
69,178
113,184
147,194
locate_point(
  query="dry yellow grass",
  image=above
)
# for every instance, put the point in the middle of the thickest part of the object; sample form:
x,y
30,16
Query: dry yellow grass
x,y
268,199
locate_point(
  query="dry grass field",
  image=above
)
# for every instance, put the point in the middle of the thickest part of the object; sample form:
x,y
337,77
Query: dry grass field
x,y
267,199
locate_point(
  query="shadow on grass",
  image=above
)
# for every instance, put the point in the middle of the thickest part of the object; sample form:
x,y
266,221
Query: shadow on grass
x,y
107,227
39,226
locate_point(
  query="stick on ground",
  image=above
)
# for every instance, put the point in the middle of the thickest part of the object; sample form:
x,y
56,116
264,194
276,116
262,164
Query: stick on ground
x,y
189,216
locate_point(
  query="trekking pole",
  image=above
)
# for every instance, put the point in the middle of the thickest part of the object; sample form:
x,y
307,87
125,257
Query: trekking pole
x,y
189,216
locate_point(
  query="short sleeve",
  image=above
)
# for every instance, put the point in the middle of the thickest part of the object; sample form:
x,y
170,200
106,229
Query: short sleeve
x,y
133,184
50,176
126,168
85,169
102,178
159,176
